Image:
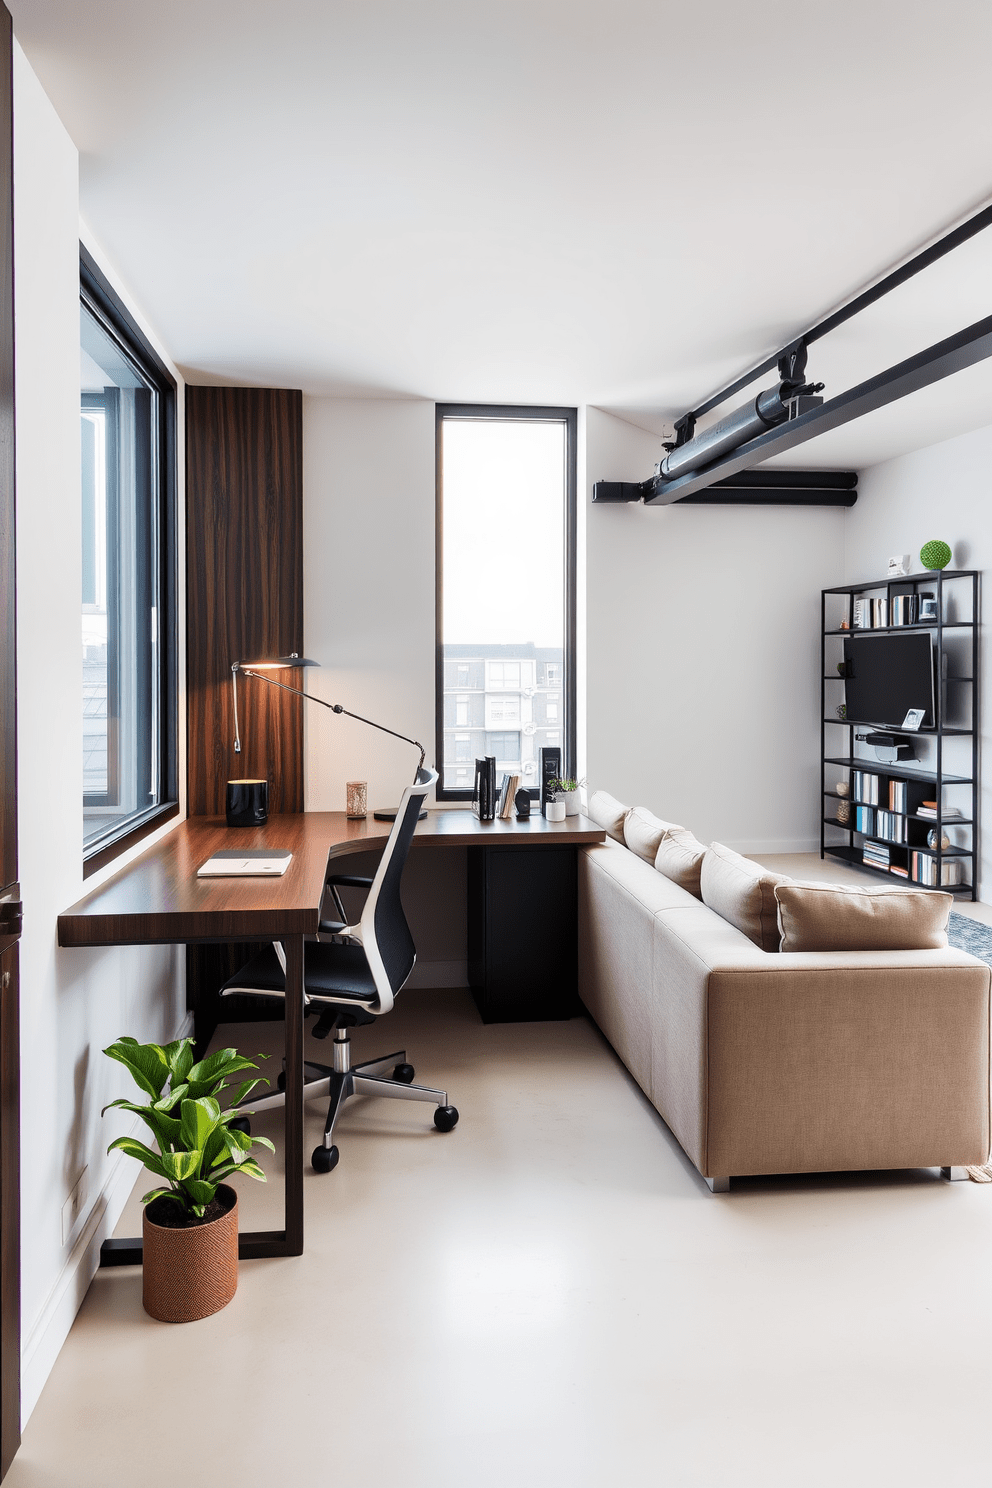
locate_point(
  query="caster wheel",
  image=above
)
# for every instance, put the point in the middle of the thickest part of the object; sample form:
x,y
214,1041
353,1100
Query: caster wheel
x,y
241,1124
445,1118
324,1159
404,1073
281,1081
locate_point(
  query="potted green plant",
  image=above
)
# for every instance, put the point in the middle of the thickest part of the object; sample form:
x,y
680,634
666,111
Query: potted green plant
x,y
190,1224
554,809
568,789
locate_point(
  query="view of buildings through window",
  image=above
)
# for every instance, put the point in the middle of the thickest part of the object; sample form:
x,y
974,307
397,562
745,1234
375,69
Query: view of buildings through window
x,y
120,643
504,485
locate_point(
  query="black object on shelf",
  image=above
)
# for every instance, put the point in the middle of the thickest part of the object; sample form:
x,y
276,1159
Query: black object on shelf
x,y
550,770
485,795
892,791
522,802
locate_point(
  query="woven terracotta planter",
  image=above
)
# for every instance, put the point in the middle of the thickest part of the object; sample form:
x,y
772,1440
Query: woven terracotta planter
x,y
189,1273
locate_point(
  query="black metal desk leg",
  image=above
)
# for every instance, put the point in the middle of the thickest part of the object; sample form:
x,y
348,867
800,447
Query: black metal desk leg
x,y
293,945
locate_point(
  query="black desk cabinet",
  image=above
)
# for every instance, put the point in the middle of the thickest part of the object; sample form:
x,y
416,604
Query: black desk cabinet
x,y
523,932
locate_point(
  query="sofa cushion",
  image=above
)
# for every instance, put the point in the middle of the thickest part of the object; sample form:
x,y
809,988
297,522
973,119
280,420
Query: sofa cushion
x,y
607,812
823,917
680,858
643,831
743,893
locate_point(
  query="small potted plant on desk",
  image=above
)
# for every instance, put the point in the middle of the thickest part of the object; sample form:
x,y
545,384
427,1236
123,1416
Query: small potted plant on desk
x,y
568,790
555,808
190,1227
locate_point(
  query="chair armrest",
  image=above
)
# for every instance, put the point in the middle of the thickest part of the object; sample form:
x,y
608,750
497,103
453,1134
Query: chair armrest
x,y
331,927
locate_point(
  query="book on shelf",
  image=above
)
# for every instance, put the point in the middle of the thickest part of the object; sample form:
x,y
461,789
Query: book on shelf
x,y
875,855
865,786
899,872
923,870
897,795
864,819
878,613
928,811
859,612
889,826
906,609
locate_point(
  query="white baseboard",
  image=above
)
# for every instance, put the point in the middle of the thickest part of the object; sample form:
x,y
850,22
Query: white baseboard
x,y
41,1346
753,846
439,974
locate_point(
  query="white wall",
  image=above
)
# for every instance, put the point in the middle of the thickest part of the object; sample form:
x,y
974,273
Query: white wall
x,y
944,491
703,654
73,1003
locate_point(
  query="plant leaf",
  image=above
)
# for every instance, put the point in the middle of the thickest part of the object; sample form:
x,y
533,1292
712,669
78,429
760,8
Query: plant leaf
x,y
168,1101
180,1165
200,1190
152,1161
198,1119
157,1193
145,1062
179,1057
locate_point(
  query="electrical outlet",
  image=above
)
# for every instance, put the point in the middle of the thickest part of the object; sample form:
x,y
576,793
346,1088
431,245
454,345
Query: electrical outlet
x,y
73,1206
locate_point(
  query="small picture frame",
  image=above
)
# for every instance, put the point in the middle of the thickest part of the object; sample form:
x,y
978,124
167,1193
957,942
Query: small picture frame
x,y
928,609
913,719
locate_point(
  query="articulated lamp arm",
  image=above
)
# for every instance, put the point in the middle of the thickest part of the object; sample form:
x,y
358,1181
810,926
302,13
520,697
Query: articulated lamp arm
x,y
334,708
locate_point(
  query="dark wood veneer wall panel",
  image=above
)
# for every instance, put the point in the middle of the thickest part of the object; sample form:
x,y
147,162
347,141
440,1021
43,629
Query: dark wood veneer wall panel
x,y
244,585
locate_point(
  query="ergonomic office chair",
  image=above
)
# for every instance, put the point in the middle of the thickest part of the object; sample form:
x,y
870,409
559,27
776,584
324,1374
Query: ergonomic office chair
x,y
352,979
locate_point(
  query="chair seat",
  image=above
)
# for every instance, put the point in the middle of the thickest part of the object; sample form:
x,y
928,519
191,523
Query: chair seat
x,y
339,973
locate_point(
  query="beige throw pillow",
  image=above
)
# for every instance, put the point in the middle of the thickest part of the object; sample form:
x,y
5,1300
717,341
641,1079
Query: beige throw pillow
x,y
607,812
643,831
743,893
680,858
822,917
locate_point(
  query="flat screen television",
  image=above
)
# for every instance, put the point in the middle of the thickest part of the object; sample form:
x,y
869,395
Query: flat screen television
x,y
886,675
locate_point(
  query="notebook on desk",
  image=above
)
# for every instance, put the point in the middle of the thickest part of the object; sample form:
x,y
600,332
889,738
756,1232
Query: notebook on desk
x,y
252,862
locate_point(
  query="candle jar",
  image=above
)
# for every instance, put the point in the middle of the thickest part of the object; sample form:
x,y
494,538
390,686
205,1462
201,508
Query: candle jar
x,y
358,797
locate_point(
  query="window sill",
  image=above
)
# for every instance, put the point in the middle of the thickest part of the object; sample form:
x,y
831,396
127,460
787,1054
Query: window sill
x,y
156,818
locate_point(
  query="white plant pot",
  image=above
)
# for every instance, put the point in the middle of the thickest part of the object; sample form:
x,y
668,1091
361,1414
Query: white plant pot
x,y
556,810
571,799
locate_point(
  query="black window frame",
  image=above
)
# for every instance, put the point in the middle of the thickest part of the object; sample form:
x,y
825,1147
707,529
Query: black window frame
x,y
511,412
105,305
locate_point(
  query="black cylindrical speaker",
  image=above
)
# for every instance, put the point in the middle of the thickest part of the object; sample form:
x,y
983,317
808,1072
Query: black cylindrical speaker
x,y
247,803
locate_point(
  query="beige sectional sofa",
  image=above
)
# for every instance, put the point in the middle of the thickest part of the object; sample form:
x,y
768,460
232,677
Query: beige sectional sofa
x,y
775,1062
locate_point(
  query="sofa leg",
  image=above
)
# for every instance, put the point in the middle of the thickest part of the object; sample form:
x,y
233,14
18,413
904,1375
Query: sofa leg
x,y
719,1185
954,1175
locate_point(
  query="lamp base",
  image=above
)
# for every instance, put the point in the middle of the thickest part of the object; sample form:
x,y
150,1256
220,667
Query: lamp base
x,y
388,813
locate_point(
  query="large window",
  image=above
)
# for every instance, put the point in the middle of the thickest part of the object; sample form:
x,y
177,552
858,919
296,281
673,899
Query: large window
x,y
127,450
506,589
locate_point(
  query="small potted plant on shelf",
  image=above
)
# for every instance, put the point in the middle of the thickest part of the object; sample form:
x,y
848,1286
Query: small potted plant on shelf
x,y
568,790
190,1225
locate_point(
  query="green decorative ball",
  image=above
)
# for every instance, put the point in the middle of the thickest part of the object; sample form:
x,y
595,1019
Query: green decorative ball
x,y
935,555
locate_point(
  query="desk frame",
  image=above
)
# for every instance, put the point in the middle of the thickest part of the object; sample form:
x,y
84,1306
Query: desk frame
x,y
158,900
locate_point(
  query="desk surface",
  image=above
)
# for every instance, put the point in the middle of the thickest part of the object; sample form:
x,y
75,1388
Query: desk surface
x,y
158,898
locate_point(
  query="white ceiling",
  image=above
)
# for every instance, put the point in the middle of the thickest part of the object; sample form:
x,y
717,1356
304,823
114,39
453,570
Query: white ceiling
x,y
621,203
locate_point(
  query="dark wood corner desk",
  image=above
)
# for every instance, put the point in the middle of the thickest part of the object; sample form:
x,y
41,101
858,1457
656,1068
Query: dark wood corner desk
x,y
522,929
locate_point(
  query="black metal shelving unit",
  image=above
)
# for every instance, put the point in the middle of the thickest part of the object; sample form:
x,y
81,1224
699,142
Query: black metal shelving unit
x,y
955,733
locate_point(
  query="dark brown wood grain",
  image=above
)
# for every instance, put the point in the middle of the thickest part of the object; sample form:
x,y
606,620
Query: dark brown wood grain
x,y
10,1225
244,583
10,1211
158,898
8,677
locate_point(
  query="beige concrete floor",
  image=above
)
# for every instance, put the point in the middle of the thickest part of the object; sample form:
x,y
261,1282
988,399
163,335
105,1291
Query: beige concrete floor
x,y
547,1296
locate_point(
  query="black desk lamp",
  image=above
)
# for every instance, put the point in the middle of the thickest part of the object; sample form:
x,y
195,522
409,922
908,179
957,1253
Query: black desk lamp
x,y
277,663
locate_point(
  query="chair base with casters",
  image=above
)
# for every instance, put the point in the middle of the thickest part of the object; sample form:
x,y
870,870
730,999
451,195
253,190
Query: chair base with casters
x,y
338,1082
353,978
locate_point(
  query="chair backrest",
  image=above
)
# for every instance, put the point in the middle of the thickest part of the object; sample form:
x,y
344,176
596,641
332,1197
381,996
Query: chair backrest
x,y
386,936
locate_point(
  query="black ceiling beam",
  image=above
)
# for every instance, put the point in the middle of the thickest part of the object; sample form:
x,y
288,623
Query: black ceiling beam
x,y
913,266
953,354
779,488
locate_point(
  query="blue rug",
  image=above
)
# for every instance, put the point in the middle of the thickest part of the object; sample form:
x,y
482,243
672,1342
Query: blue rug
x,y
970,935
